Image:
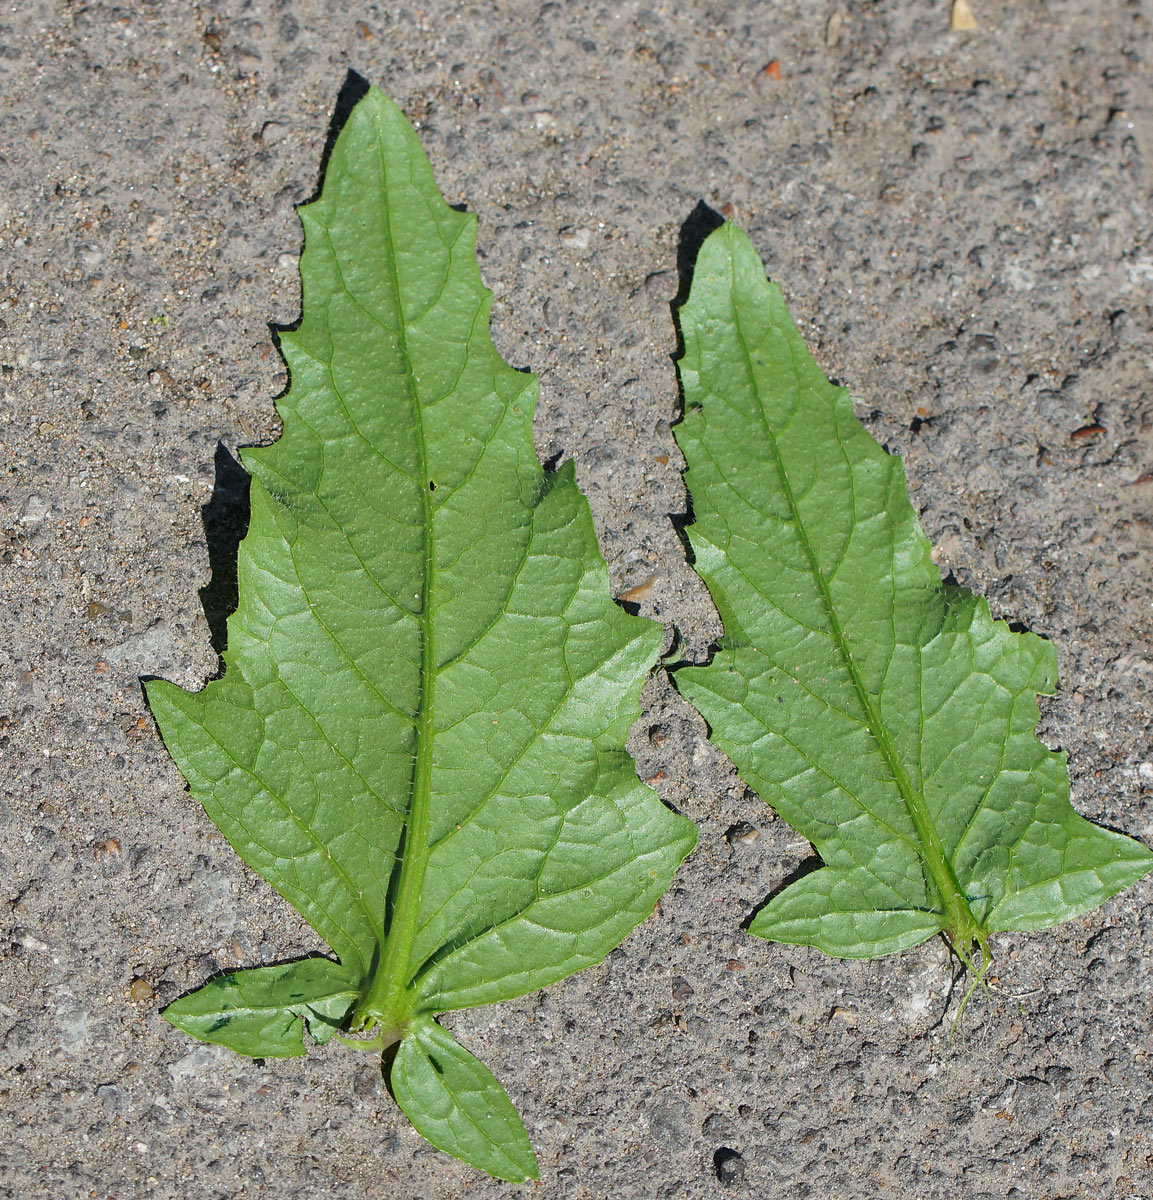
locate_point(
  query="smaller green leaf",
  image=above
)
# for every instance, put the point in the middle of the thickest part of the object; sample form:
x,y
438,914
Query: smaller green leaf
x,y
455,1102
262,1012
885,715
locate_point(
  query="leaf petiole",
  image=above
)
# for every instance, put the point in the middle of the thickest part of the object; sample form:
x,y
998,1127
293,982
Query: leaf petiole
x,y
375,1045
978,980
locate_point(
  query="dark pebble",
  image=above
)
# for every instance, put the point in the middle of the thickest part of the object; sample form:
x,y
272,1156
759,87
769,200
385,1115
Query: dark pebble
x,y
729,1166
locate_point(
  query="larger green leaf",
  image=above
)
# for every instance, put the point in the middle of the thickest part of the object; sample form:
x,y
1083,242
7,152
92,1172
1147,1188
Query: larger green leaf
x,y
884,715
418,739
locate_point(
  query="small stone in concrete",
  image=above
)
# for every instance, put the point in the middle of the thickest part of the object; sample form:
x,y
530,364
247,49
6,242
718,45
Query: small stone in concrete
x,y
729,1166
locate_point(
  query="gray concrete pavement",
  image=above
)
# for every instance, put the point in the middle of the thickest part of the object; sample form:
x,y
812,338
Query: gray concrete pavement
x,y
962,225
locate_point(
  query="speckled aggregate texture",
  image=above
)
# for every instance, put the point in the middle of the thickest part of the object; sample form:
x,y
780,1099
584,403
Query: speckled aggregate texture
x,y
961,223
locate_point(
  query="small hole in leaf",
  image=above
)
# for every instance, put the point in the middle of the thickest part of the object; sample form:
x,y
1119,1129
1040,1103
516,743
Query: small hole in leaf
x,y
436,1065
432,485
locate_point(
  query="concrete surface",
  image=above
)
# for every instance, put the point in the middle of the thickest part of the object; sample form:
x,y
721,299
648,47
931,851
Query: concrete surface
x,y
962,225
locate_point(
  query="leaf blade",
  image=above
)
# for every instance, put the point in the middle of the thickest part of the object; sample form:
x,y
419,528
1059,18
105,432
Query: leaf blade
x,y
575,915
456,1103
887,717
262,1012
205,733
825,910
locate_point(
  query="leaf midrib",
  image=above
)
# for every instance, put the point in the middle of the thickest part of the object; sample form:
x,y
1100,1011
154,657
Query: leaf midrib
x,y
274,1007
385,997
957,917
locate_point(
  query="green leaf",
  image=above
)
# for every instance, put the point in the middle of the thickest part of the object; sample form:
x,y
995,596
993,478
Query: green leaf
x,y
262,1012
884,715
419,736
456,1103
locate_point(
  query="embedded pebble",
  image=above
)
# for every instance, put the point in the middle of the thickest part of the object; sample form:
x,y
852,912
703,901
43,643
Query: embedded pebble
x,y
577,238
35,510
203,1060
112,1097
91,256
729,1166
140,990
153,647
742,834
